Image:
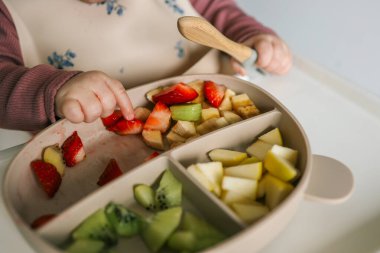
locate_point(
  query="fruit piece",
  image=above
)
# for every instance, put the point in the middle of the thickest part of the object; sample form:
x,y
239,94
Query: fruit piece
x,y
276,191
279,167
72,150
184,128
214,93
226,104
125,127
211,125
240,100
125,222
53,155
251,159
151,156
159,119
145,196
42,220
96,227
169,192
227,157
160,227
175,94
197,85
272,137
242,186
250,171
172,137
47,176
250,212
230,197
112,119
231,117
153,138
285,152
200,177
210,113
214,173
186,112
149,95
247,111
111,172
182,241
86,246
141,113
259,149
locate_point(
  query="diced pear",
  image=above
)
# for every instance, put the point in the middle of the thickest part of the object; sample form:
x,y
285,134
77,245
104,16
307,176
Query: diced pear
x,y
261,187
211,125
240,100
250,171
200,177
259,149
214,173
226,104
197,85
210,113
231,117
250,212
273,137
153,92
227,157
287,153
230,197
221,122
279,167
153,138
247,111
252,159
141,113
276,191
172,137
242,186
184,128
53,155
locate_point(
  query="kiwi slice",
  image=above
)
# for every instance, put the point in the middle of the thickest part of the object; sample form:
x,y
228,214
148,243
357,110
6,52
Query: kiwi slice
x,y
125,222
169,192
86,246
160,226
186,112
96,227
145,196
182,241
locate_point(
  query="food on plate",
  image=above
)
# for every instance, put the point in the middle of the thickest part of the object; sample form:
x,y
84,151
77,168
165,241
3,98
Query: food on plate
x,y
125,222
154,139
145,196
86,246
72,149
112,119
47,176
273,137
279,166
125,127
111,171
186,112
250,212
214,93
151,156
169,191
159,118
275,190
214,174
227,157
142,113
175,94
42,220
53,155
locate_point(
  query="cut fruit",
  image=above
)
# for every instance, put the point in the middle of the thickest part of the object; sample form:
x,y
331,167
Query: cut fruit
x,y
287,153
47,176
159,118
240,100
111,172
242,186
142,113
182,241
210,113
125,222
42,220
172,137
226,104
231,117
169,192
72,150
160,227
186,112
200,177
125,127
276,191
214,173
151,156
149,95
145,196
247,111
230,197
112,119
249,160
272,137
53,155
259,149
211,125
96,227
86,246
197,85
227,157
250,171
214,93
153,138
175,94
250,212
280,167
184,128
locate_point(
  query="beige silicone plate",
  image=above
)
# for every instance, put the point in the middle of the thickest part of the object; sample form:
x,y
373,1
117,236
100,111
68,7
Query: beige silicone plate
x,y
79,194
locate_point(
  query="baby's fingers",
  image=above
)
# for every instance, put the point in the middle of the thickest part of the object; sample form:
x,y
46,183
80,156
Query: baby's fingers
x,y
122,99
72,110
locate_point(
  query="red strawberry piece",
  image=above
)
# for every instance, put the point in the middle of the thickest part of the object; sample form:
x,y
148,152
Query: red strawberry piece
x,y
159,118
151,156
111,172
47,176
125,127
112,119
214,93
176,94
42,220
72,149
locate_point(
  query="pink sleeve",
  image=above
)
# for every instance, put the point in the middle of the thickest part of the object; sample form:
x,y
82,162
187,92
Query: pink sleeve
x,y
228,18
26,94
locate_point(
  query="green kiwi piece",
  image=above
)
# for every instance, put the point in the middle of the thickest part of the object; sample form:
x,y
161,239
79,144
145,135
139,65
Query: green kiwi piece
x,y
182,240
125,222
169,192
96,227
145,196
86,246
186,112
160,226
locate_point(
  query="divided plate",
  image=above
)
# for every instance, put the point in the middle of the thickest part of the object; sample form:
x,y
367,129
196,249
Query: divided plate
x,y
79,195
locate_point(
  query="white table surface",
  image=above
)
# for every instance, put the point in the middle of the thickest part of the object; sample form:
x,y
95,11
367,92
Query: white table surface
x,y
341,122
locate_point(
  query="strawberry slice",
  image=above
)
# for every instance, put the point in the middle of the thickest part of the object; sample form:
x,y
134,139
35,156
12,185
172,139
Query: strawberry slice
x,y
176,94
72,149
112,119
42,220
214,93
151,156
111,172
159,118
125,127
47,176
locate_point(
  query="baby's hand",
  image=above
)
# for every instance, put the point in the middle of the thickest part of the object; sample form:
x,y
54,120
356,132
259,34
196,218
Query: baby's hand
x,y
274,56
90,95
